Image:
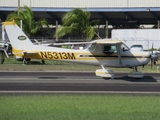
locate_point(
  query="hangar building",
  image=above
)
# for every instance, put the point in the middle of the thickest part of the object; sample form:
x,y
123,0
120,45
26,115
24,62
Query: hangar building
x,y
115,13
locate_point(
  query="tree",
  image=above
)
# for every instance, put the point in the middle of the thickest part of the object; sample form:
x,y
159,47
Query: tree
x,y
77,21
29,26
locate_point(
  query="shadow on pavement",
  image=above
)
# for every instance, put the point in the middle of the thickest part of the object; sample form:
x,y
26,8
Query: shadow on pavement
x,y
144,79
51,77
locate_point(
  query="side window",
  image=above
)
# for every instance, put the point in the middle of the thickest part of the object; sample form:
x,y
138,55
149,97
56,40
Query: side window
x,y
110,49
114,49
107,48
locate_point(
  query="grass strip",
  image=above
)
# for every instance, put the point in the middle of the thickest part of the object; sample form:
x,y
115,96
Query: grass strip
x,y
79,107
11,64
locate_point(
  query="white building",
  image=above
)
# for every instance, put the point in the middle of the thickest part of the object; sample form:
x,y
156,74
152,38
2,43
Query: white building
x,y
116,13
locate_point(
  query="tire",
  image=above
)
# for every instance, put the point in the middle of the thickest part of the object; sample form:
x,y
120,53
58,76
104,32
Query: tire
x,y
43,62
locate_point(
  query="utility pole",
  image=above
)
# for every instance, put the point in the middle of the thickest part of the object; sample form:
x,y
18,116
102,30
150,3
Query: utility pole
x,y
18,6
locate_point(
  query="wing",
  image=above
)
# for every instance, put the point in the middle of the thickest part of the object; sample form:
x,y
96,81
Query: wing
x,y
71,43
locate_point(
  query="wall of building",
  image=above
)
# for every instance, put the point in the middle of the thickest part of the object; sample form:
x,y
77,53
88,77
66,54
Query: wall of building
x,y
145,37
81,3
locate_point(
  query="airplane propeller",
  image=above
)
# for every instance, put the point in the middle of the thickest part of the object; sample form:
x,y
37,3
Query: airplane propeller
x,y
152,56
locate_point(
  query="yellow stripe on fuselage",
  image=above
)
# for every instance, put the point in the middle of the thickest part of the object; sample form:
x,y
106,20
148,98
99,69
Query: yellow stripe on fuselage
x,y
83,56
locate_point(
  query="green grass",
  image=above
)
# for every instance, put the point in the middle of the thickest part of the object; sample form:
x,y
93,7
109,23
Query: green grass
x,y
11,64
79,107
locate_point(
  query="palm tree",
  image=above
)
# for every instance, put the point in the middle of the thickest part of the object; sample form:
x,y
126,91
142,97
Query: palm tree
x,y
29,26
77,21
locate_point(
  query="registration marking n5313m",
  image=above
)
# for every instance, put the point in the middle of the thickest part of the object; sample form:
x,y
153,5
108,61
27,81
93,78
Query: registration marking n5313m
x,y
57,55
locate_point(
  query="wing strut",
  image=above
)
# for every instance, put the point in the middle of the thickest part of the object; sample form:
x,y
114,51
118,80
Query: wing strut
x,y
119,53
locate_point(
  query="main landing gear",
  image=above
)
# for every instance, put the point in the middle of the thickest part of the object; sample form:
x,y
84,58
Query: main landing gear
x,y
105,73
109,74
26,60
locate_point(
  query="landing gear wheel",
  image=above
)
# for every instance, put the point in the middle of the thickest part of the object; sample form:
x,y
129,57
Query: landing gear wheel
x,y
27,59
43,62
105,73
24,61
135,74
106,78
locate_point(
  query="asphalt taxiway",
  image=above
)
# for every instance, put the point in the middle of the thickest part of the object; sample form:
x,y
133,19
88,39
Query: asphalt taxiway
x,y
76,82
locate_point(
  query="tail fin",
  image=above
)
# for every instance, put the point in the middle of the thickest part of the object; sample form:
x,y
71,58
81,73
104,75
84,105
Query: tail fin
x,y
17,37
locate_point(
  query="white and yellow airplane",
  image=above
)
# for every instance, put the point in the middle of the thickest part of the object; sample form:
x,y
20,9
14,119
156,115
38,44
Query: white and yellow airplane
x,y
105,52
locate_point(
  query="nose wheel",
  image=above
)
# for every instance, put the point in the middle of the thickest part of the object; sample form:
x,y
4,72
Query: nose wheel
x,y
136,74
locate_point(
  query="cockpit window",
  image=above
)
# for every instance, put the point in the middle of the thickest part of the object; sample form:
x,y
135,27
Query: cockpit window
x,y
114,49
110,49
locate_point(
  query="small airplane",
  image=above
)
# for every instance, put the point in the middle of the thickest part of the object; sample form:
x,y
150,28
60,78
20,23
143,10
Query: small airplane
x,y
104,52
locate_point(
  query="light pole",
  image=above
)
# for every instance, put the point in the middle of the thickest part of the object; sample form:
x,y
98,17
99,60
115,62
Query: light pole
x,y
18,13
18,6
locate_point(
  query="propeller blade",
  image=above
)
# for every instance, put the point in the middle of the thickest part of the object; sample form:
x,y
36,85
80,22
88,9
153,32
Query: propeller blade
x,y
151,63
119,54
152,57
152,48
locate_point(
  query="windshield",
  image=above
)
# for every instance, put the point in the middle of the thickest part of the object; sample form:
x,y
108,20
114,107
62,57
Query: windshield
x,y
92,47
136,46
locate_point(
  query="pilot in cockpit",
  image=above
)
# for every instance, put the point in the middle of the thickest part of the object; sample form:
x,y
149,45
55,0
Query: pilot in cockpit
x,y
107,49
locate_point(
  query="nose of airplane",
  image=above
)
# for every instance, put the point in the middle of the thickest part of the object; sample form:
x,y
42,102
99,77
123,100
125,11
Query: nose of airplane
x,y
149,56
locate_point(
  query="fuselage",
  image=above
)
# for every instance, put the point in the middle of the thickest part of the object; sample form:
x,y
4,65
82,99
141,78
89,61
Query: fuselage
x,y
127,58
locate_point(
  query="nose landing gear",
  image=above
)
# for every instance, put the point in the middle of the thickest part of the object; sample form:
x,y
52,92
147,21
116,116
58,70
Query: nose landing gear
x,y
136,74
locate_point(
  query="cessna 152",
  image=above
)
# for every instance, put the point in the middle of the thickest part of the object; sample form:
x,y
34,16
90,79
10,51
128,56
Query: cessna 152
x,y
104,52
